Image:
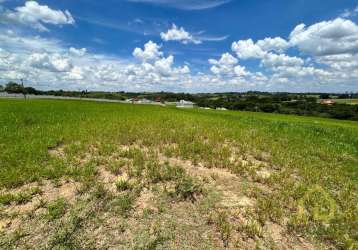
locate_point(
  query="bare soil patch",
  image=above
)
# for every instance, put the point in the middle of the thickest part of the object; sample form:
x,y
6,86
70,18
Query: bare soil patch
x,y
158,220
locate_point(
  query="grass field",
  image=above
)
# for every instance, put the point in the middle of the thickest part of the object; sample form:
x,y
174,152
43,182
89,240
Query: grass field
x,y
347,101
76,174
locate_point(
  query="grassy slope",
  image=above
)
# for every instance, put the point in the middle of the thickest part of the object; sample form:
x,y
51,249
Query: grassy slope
x,y
322,153
347,101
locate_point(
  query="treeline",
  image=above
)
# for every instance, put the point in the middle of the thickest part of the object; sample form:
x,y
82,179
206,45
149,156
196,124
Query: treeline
x,y
283,103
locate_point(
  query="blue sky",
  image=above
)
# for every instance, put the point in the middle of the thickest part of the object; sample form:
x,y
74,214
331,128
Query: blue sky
x,y
187,45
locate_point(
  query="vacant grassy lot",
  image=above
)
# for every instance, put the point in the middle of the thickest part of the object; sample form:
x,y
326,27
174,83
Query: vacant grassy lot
x,y
77,174
347,101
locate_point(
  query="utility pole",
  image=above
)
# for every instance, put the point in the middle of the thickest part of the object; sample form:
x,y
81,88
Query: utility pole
x,y
23,88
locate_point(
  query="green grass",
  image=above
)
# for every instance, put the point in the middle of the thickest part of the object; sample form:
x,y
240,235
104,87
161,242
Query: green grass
x,y
20,197
323,153
56,208
123,185
347,101
187,189
123,204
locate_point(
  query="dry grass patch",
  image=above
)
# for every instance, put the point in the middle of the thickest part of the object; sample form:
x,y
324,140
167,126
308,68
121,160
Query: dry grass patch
x,y
153,198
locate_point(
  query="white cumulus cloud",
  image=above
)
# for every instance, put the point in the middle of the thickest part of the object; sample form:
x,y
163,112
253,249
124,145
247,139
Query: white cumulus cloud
x,y
33,14
227,65
246,49
51,62
150,52
179,34
323,57
78,52
154,64
336,36
278,60
277,44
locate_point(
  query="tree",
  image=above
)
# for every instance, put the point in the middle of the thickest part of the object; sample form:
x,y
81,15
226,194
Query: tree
x,y
1,88
14,88
324,96
31,91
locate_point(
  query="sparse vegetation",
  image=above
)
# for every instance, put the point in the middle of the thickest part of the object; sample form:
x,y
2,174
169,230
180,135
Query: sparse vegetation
x,y
224,227
187,188
20,197
252,229
6,199
102,174
123,203
123,184
56,208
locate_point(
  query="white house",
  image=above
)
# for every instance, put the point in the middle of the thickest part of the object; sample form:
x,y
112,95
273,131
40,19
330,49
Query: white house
x,y
144,101
185,104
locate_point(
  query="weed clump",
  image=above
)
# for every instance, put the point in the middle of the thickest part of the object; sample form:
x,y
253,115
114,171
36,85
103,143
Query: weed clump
x,y
224,226
19,198
171,173
252,229
6,199
156,173
153,172
65,237
269,207
116,167
99,191
187,188
56,209
123,204
151,238
123,184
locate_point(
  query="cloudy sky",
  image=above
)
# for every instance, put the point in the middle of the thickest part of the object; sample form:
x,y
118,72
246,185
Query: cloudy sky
x,y
181,45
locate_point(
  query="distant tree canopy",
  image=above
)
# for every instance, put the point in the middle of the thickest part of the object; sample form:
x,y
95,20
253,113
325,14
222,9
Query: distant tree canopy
x,y
14,88
31,91
1,88
324,96
284,103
